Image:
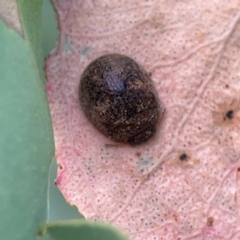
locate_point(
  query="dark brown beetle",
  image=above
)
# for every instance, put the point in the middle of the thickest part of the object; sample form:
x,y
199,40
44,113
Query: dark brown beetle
x,y
118,97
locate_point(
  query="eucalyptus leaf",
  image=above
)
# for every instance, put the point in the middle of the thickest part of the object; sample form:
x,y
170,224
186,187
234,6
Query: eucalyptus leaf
x,y
26,139
31,16
83,230
49,27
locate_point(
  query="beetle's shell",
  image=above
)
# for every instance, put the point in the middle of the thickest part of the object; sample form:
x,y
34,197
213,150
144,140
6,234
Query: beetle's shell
x,y
118,97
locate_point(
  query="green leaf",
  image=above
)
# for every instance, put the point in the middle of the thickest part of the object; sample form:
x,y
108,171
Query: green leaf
x,y
83,230
50,28
26,139
45,237
31,16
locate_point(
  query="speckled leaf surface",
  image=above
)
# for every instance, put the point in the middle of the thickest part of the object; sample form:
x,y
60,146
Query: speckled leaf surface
x,y
26,139
185,182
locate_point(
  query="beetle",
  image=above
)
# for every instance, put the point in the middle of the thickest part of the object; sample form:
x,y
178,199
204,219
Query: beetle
x,y
118,96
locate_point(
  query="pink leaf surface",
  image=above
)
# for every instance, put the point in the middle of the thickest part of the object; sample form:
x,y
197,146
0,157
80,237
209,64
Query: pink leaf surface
x,y
185,182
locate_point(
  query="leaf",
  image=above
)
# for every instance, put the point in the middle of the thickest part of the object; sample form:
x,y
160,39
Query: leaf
x,y
31,16
26,138
50,28
44,237
82,230
183,183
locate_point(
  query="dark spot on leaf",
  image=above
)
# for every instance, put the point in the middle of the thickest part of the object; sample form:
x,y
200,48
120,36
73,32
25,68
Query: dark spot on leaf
x,y
210,221
138,154
229,115
183,157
